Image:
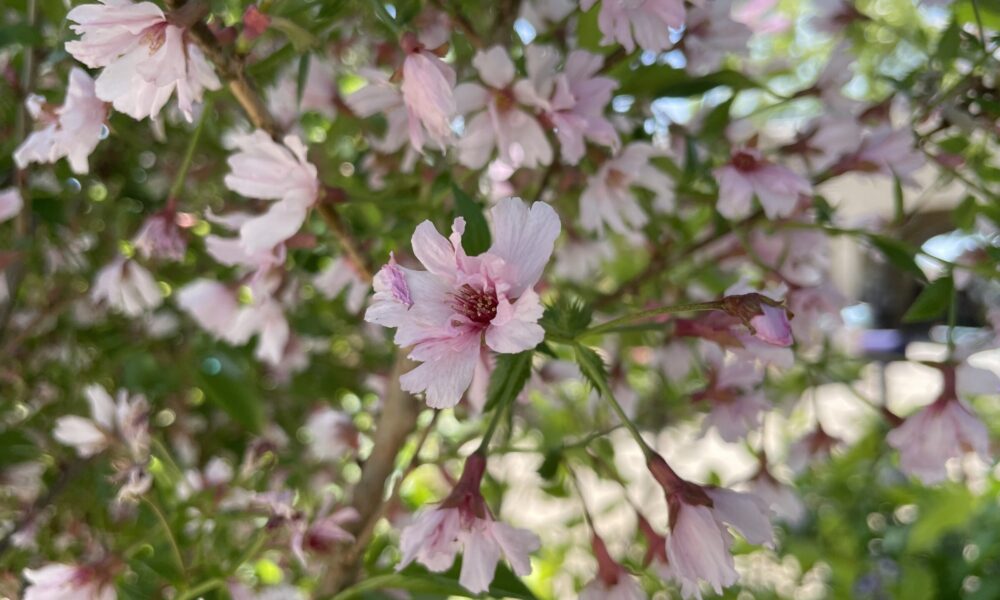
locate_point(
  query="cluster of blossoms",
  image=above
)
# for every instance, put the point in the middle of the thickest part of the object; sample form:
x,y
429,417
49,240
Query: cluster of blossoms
x,y
733,222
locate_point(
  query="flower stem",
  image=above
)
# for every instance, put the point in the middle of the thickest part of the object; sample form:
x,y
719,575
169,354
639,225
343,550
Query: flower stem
x,y
170,534
182,171
652,312
491,428
200,589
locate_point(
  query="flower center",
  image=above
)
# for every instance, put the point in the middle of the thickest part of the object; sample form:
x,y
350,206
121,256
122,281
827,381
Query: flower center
x,y
479,306
617,179
744,161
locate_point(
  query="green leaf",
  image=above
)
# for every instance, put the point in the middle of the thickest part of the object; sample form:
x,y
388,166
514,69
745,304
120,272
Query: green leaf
x,y
476,238
932,302
897,253
715,123
508,379
567,318
20,33
989,12
550,466
964,215
226,384
592,367
941,510
949,44
300,80
658,81
417,580
300,38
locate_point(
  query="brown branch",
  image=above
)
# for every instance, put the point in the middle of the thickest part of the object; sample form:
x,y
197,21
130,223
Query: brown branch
x,y
397,420
462,23
337,226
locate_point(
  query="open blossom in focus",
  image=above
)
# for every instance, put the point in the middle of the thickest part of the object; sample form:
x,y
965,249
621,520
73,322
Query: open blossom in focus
x,y
446,312
945,429
498,122
127,287
699,547
124,422
144,57
463,522
58,581
572,100
613,581
747,175
609,201
269,171
428,92
643,23
72,130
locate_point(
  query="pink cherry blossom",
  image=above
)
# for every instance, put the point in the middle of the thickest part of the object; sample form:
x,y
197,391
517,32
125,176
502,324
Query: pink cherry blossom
x,y
609,201
161,237
780,497
544,13
318,94
269,171
801,256
213,305
381,96
699,546
890,152
127,287
463,522
341,275
711,34
825,140
613,581
737,403
56,581
11,204
747,175
322,535
332,434
498,122
446,312
125,422
145,58
428,92
646,23
573,100
72,130
764,316
945,429
817,445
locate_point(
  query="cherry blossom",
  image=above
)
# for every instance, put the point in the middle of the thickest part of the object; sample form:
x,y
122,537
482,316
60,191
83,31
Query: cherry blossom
x,y
72,130
161,237
447,311
749,174
145,57
643,23
318,93
711,34
110,422
815,446
463,521
11,204
734,394
381,96
498,121
266,170
945,429
341,275
332,434
887,151
700,544
608,200
57,581
766,318
127,287
613,581
323,534
572,100
428,90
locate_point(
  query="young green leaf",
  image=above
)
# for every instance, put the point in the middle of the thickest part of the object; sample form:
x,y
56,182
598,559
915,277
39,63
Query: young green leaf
x,y
476,239
508,379
932,302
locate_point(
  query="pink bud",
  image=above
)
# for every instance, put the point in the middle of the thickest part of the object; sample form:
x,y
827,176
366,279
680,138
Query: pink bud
x,y
255,23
